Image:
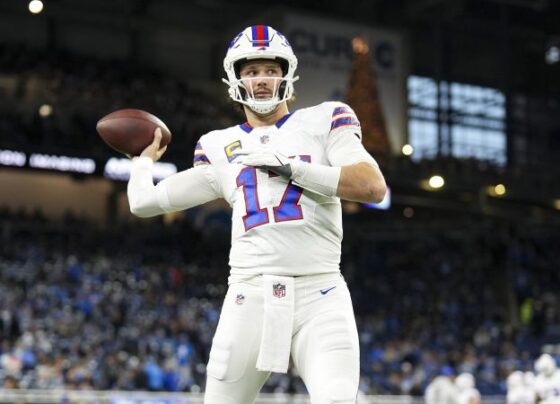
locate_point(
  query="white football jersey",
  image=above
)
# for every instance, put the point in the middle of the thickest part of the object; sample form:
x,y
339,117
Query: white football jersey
x,y
277,227
468,396
521,395
548,388
441,390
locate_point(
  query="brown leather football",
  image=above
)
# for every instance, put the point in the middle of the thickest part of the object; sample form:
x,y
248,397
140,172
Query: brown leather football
x,y
129,131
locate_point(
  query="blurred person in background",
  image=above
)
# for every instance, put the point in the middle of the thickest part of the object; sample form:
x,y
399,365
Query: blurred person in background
x,y
529,379
547,382
518,392
468,394
442,389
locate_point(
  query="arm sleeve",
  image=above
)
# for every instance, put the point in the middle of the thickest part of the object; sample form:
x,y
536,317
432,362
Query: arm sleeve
x,y
345,148
183,190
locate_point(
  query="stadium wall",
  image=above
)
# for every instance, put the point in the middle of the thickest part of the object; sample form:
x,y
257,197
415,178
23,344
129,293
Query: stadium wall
x,y
129,397
54,194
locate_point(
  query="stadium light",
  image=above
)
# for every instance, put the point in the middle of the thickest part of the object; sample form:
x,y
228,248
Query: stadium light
x,y
407,150
62,163
119,169
35,6
556,204
12,158
552,55
45,110
496,190
500,189
436,182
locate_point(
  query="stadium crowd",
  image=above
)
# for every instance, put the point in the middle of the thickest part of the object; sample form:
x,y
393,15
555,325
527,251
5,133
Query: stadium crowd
x,y
134,306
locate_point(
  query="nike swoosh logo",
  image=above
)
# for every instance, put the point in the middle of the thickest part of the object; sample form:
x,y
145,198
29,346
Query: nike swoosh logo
x,y
325,291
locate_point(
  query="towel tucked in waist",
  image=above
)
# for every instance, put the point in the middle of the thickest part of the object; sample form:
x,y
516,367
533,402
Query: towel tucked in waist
x,y
278,323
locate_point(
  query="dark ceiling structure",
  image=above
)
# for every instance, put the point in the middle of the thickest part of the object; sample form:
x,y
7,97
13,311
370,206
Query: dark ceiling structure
x,y
499,43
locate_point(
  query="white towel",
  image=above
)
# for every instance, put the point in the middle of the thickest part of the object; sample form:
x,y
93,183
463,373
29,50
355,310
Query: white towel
x,y
278,323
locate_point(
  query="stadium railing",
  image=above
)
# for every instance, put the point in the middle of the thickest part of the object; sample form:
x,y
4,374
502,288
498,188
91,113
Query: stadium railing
x,y
136,397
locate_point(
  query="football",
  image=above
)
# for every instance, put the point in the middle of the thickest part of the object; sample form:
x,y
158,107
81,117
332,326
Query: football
x,y
129,131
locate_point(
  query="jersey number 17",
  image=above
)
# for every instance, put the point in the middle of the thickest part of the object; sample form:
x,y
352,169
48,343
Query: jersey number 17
x,y
287,210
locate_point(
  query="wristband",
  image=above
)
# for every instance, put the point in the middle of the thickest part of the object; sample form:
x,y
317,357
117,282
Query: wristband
x,y
315,177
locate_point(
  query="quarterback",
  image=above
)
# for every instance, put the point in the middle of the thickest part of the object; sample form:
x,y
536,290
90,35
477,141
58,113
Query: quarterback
x,y
283,174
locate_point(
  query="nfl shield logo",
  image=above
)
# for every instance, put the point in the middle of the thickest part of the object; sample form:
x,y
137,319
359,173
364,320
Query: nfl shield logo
x,y
265,139
240,299
278,290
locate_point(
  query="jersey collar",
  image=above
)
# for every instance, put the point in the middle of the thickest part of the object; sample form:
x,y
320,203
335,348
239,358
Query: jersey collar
x,y
282,120
246,127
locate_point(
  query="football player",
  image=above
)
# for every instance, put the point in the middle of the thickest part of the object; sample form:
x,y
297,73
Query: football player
x,y
518,390
547,382
442,389
284,174
468,393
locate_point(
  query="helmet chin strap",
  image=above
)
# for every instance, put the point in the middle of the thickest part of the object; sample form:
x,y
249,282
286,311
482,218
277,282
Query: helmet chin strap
x,y
263,108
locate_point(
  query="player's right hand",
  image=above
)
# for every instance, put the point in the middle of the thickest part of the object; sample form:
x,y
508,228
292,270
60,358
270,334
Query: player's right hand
x,y
266,159
153,151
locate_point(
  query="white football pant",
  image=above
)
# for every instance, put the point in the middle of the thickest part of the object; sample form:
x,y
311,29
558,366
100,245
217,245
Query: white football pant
x,y
324,349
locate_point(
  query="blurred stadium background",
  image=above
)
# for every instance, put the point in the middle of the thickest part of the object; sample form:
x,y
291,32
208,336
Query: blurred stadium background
x,y
460,103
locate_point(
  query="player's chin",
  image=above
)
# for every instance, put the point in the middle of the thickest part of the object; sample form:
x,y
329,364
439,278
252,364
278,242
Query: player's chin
x,y
265,114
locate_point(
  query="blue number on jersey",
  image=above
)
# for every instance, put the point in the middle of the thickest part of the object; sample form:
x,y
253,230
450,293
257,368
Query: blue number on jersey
x,y
255,216
289,208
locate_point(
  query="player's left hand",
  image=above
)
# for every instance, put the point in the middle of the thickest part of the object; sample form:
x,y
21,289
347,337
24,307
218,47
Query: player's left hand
x,y
266,159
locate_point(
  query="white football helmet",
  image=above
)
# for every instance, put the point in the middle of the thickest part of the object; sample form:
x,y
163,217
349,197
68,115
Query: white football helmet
x,y
260,42
515,379
545,365
464,381
528,378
